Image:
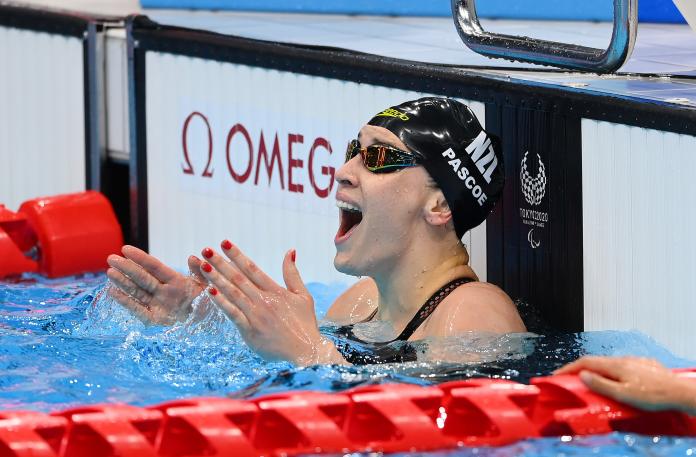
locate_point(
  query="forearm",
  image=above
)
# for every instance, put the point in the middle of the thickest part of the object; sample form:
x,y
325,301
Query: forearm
x,y
323,353
685,395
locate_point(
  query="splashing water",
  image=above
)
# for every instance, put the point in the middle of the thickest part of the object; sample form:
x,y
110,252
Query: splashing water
x,y
66,342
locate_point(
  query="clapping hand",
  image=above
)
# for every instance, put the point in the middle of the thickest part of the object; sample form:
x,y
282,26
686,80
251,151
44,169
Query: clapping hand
x,y
277,322
150,289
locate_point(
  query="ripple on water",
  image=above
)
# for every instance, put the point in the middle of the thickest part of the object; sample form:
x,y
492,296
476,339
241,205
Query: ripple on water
x,y
65,342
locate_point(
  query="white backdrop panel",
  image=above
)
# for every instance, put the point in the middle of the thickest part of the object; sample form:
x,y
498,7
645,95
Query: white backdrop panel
x,y
235,112
639,197
42,125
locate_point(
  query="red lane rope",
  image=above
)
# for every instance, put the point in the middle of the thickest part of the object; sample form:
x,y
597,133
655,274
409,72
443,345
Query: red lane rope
x,y
49,235
379,418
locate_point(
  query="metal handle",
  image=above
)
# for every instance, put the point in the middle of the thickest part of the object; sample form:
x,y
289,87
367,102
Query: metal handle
x,y
525,49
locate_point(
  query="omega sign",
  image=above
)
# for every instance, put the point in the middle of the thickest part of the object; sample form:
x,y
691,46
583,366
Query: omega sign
x,y
533,189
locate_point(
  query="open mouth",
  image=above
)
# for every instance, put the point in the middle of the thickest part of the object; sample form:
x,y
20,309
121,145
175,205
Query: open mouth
x,y
351,216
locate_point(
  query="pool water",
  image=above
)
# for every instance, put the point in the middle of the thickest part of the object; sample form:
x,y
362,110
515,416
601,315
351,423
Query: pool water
x,y
611,445
65,343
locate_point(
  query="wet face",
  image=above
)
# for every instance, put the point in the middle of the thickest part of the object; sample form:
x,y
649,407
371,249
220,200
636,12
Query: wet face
x,y
378,212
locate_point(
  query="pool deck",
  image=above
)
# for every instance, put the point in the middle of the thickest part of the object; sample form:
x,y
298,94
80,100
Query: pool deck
x,y
662,68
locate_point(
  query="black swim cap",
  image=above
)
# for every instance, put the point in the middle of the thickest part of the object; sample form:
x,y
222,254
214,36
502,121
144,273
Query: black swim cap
x,y
464,160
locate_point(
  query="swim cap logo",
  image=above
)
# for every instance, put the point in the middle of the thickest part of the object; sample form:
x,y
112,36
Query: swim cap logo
x,y
391,112
464,174
533,188
486,164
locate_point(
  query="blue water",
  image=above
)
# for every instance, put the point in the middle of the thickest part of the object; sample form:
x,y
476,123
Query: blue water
x,y
611,445
65,343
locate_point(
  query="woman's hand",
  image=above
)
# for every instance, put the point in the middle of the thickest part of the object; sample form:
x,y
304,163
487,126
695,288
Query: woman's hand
x,y
642,383
277,322
152,290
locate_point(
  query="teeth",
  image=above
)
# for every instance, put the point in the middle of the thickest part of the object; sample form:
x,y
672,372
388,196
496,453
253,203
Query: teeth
x,y
347,206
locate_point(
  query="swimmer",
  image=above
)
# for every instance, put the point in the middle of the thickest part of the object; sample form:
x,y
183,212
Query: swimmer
x,y
417,177
638,382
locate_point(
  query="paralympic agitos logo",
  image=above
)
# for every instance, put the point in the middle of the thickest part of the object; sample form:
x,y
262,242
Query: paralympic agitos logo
x,y
533,189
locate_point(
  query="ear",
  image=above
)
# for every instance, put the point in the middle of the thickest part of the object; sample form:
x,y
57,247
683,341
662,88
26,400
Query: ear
x,y
436,210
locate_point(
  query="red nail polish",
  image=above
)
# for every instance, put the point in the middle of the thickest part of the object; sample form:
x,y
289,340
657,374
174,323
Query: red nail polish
x,y
293,255
207,253
213,291
226,245
205,266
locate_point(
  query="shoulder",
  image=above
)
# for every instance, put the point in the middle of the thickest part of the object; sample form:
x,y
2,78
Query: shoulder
x,y
355,304
476,306
483,293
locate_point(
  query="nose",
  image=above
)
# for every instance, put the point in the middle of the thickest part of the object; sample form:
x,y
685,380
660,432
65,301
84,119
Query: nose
x,y
347,174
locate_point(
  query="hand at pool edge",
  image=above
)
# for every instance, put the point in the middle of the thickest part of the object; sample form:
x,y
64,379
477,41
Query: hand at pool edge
x,y
279,323
150,289
643,383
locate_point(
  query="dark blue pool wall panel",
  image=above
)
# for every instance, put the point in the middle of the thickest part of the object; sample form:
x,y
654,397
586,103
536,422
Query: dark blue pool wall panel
x,y
534,236
137,167
588,10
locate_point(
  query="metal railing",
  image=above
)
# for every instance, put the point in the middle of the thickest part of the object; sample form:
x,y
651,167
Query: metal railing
x,y
564,55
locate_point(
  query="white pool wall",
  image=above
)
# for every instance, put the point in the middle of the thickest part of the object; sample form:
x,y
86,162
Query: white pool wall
x,y
42,115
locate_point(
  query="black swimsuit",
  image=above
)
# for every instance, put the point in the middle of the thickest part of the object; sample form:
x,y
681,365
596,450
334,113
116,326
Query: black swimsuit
x,y
359,352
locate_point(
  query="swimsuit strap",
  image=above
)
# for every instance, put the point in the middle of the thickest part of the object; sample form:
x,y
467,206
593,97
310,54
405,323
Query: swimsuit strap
x,y
369,318
425,310
382,352
429,306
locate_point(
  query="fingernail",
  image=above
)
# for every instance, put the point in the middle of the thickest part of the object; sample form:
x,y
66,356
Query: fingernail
x,y
226,245
205,266
585,376
207,253
293,255
212,291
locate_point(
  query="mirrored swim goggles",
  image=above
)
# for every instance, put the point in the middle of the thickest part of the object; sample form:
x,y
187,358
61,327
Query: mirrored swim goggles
x,y
381,158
